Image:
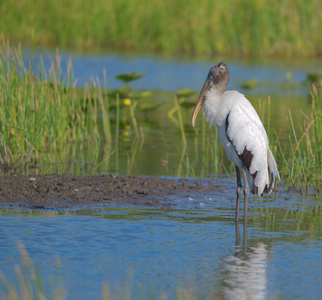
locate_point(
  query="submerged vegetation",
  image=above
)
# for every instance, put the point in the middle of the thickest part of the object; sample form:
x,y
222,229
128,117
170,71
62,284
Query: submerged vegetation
x,y
238,28
31,284
46,120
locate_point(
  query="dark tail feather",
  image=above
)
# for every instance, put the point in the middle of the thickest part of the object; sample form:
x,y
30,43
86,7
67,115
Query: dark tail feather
x,y
268,189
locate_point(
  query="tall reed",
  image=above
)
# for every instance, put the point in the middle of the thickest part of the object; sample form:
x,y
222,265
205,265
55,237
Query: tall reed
x,y
287,28
41,111
302,158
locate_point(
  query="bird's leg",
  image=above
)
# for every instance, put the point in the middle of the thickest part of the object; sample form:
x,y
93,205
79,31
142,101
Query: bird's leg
x,y
246,193
245,235
239,192
237,234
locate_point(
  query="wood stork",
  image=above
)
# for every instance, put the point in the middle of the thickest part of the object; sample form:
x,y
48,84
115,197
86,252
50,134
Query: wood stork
x,y
241,133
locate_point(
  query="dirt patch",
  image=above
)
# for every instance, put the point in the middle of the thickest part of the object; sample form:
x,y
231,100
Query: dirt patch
x,y
71,191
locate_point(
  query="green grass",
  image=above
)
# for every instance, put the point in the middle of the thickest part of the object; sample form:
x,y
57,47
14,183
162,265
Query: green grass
x,y
302,157
236,28
41,115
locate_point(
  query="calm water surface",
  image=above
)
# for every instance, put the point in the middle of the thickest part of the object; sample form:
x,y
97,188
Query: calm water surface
x,y
193,246
173,74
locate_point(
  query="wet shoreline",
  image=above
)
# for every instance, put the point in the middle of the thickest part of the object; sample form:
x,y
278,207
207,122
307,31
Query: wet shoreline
x,y
77,191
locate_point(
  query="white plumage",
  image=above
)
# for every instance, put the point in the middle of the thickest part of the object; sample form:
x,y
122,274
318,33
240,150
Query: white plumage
x,y
241,133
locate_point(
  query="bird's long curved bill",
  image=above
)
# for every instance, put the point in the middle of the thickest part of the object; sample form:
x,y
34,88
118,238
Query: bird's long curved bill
x,y
201,100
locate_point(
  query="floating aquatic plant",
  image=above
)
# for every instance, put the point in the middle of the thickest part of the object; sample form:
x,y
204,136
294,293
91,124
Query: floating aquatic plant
x,y
126,78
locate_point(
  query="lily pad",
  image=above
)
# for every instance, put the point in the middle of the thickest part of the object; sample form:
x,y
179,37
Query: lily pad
x,y
140,94
129,77
185,93
121,92
149,106
188,104
248,85
314,77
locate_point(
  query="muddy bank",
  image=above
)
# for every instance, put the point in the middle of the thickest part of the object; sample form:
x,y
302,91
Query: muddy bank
x,y
71,191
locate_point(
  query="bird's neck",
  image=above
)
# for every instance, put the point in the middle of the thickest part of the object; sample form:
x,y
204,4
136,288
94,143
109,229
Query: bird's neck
x,y
211,106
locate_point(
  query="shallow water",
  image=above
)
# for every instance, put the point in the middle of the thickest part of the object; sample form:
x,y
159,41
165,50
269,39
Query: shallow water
x,y
194,245
173,74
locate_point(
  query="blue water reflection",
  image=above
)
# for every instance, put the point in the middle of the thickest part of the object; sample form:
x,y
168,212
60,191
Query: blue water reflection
x,y
164,249
175,74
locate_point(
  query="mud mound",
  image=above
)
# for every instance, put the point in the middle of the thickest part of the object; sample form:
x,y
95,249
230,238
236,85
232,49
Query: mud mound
x,y
71,191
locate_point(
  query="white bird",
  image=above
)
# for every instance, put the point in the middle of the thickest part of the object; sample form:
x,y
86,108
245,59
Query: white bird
x,y
241,133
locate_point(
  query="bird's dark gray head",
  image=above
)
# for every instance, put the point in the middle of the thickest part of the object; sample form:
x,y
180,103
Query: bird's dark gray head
x,y
217,81
219,74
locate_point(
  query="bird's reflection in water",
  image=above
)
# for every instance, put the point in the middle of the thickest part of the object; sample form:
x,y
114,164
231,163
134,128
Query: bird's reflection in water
x,y
246,271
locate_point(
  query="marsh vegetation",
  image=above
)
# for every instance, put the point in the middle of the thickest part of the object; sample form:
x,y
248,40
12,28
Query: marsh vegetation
x,y
237,28
46,120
